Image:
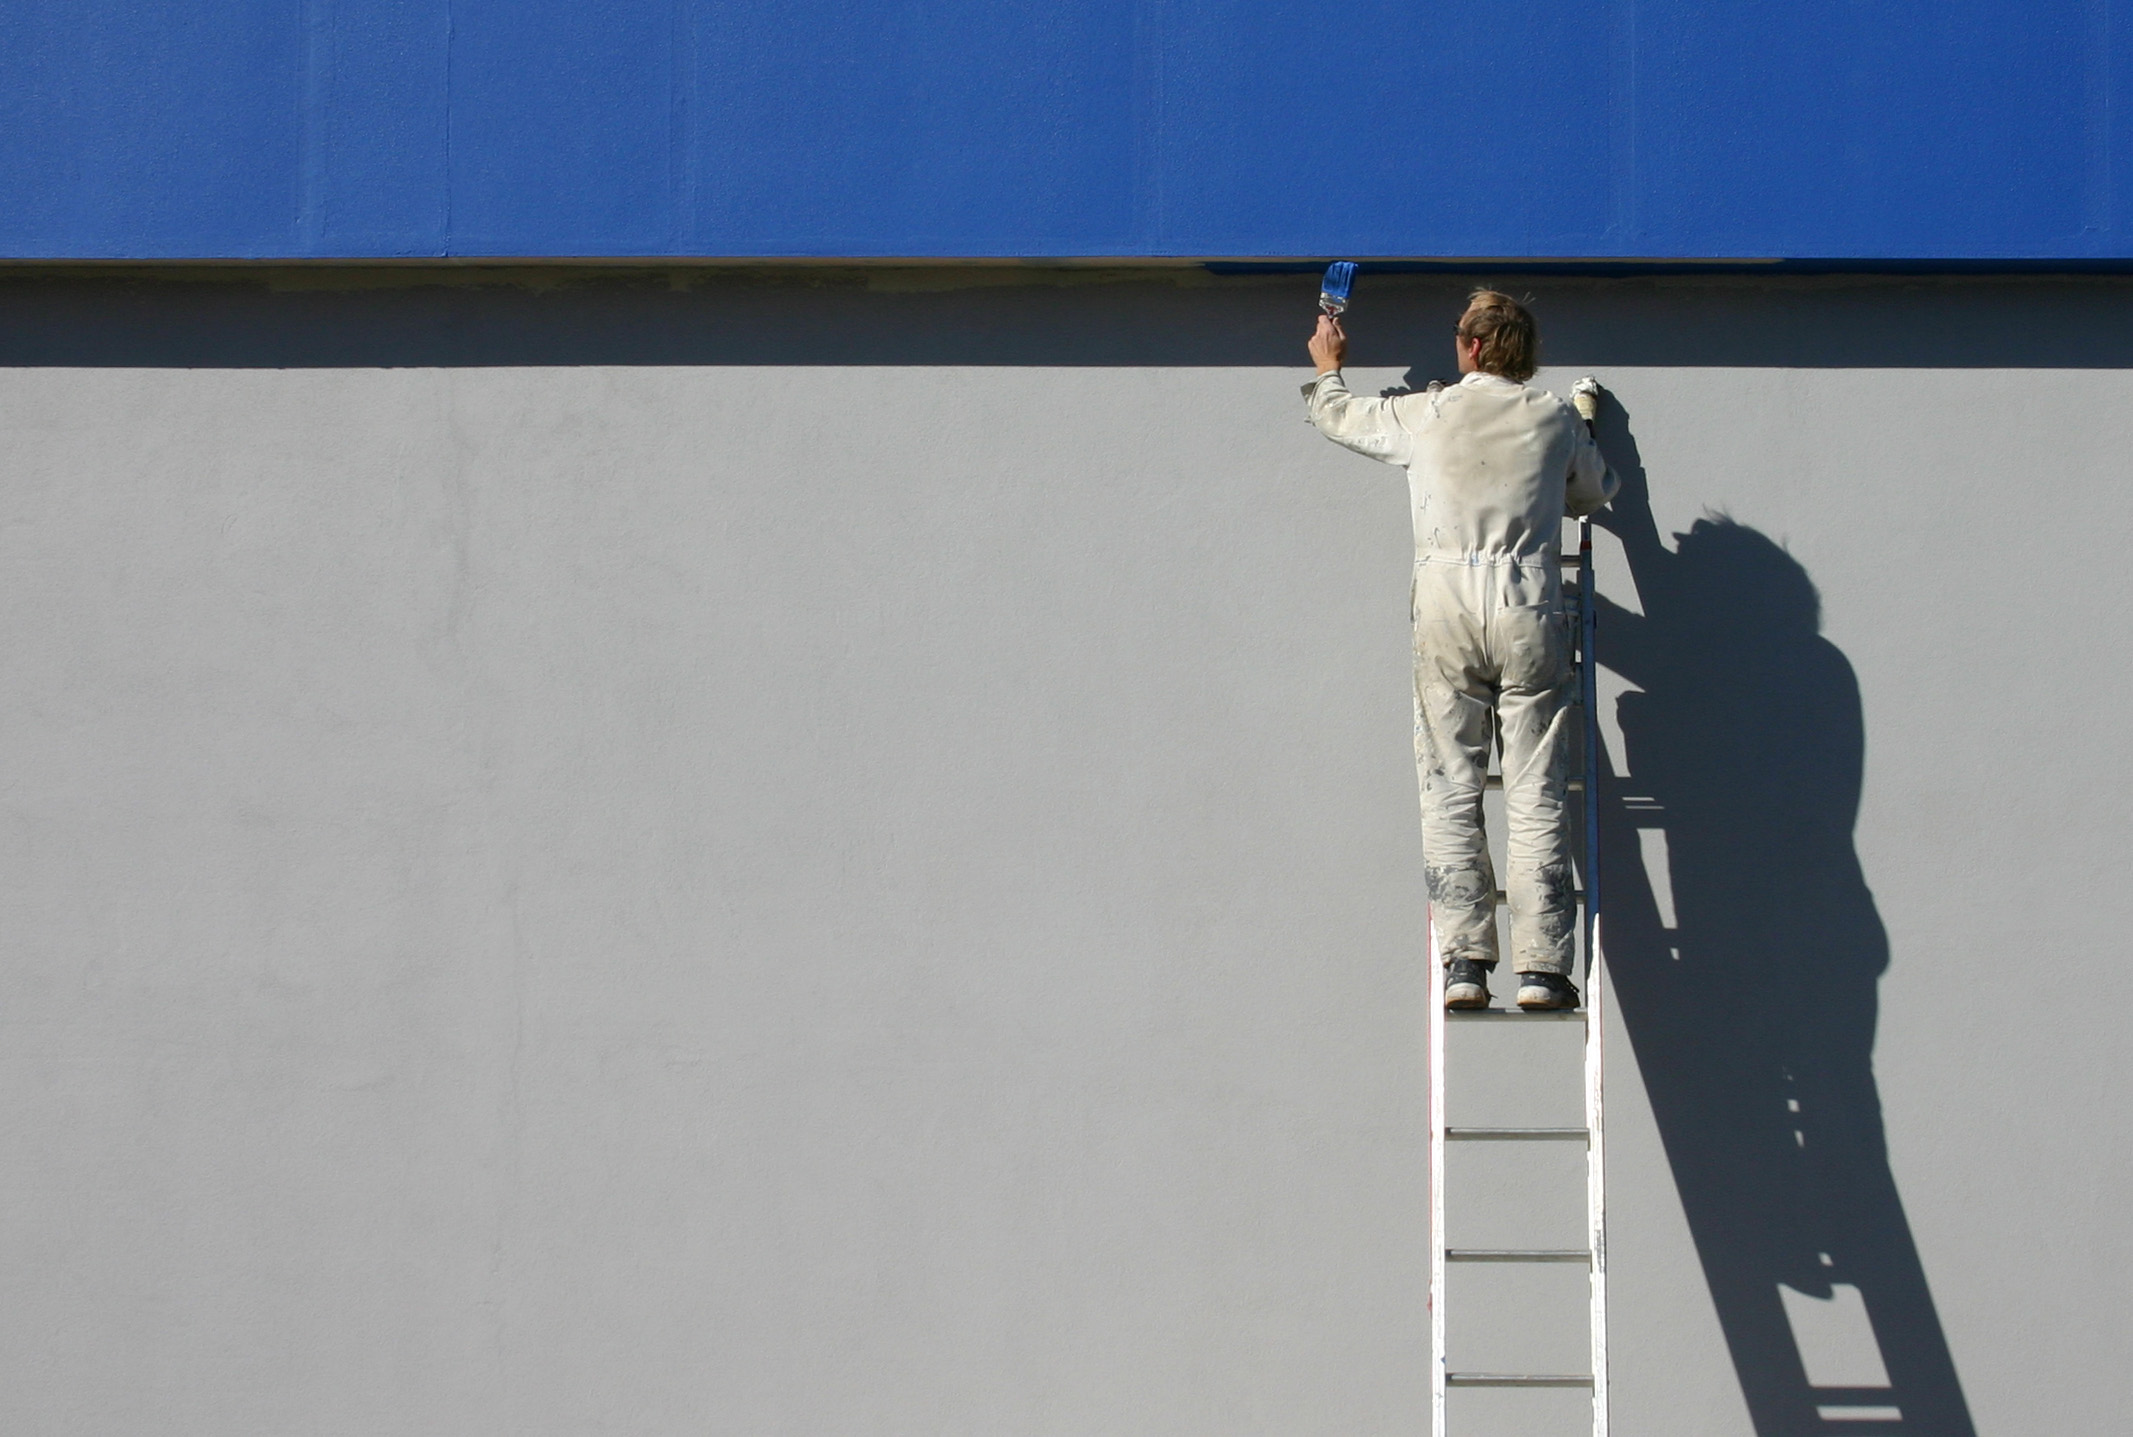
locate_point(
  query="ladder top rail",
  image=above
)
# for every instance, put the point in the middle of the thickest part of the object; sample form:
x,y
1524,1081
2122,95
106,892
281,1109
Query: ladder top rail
x,y
1514,1015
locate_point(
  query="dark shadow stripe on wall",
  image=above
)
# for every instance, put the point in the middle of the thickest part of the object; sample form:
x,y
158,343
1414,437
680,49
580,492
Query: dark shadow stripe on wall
x,y
408,317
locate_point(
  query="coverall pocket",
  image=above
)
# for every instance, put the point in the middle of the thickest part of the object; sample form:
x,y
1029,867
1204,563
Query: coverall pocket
x,y
1532,648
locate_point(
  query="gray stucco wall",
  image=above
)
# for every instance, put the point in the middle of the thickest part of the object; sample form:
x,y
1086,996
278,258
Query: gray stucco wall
x,y
823,854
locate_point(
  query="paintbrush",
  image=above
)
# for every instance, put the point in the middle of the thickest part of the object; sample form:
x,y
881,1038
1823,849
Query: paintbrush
x,y
1333,291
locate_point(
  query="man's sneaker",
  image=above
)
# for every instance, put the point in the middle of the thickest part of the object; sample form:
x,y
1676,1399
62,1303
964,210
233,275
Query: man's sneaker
x,y
1466,984
1538,992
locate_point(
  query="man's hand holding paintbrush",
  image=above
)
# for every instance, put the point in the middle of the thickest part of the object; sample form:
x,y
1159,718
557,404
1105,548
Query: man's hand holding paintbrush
x,y
1329,344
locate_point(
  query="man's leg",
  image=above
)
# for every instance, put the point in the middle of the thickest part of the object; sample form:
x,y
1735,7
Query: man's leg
x,y
1452,732
1534,711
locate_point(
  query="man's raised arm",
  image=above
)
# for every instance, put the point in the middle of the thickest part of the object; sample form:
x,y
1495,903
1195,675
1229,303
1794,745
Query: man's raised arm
x,y
1368,426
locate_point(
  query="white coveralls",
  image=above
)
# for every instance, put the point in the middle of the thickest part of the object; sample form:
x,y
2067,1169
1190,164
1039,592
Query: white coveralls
x,y
1493,466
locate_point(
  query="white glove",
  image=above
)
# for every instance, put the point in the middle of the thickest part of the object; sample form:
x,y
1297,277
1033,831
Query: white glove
x,y
1585,398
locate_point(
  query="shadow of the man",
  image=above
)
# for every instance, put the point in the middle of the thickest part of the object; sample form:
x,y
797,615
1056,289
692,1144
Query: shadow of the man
x,y
1751,1005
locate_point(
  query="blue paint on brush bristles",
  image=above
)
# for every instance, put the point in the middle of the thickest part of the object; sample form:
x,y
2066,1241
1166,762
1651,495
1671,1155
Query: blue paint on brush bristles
x,y
1333,292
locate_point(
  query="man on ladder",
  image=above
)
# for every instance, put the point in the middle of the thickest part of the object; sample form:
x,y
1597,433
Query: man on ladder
x,y
1493,466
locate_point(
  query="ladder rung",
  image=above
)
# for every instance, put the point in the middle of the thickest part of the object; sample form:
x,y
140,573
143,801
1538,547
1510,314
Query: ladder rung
x,y
1514,1379
1513,1015
1517,1254
1512,1135
1576,894
1495,780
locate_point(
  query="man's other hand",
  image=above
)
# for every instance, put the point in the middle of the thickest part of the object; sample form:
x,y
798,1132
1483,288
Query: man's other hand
x,y
1329,345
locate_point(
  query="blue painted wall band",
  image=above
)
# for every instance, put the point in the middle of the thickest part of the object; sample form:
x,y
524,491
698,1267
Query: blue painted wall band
x,y
1607,129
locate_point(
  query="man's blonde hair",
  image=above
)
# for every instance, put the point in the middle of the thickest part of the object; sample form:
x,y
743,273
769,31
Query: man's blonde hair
x,y
1510,345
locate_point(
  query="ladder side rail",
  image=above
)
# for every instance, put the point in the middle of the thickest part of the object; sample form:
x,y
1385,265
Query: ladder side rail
x,y
1437,1035
1595,976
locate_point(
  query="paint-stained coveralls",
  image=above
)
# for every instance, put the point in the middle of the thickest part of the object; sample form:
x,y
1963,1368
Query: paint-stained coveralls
x,y
1493,466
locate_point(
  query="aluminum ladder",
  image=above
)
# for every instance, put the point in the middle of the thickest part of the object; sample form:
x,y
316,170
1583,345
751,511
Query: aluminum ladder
x,y
1580,604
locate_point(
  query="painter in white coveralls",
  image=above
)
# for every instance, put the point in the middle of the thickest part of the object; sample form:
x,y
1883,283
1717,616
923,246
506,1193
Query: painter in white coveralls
x,y
1493,465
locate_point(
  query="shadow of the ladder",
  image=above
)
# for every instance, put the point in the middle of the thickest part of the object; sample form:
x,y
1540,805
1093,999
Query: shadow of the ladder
x,y
1746,958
